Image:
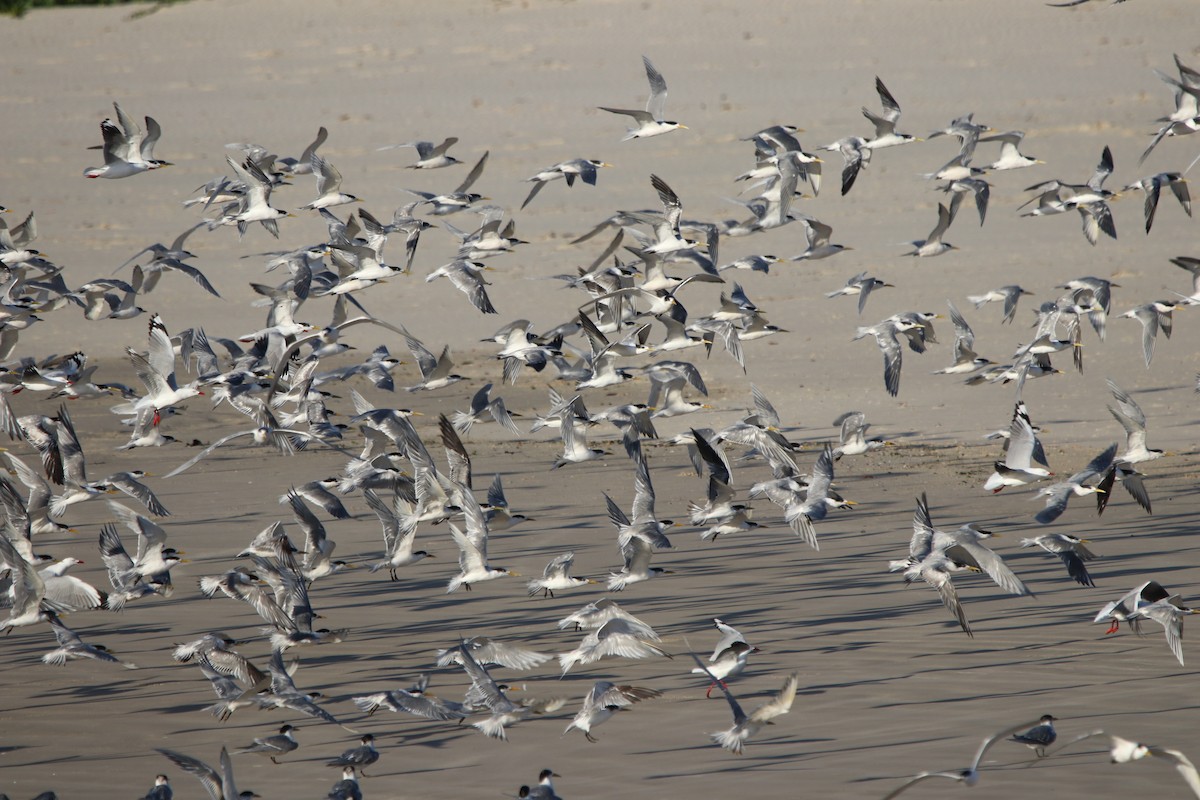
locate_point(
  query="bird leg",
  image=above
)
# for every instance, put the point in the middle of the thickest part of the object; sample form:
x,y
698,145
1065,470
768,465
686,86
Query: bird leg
x,y
587,735
712,686
1116,625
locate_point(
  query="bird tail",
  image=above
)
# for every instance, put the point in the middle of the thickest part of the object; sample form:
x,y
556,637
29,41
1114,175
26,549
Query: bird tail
x,y
732,739
492,728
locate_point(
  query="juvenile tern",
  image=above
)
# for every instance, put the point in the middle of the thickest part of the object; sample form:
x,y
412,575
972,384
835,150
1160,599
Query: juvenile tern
x,y
361,757
585,169
1040,736
273,746
649,122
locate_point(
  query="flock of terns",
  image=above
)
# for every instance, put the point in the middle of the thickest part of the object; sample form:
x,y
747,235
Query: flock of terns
x,y
629,323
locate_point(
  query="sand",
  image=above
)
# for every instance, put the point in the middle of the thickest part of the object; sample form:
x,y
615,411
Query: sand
x,y
889,685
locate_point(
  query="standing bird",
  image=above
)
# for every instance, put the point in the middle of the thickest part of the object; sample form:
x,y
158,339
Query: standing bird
x,y
1039,737
361,757
274,746
649,122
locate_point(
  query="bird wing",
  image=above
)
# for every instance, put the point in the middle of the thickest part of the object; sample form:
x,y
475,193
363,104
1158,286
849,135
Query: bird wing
x,y
208,777
656,103
780,704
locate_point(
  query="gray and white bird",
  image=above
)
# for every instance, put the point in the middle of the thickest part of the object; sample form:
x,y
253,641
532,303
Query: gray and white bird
x,y
1071,550
219,785
728,659
1009,295
1153,185
649,122
1059,494
359,757
71,647
329,186
885,124
1017,468
1039,737
969,776
885,337
747,725
853,428
429,155
861,285
603,701
273,746
557,577
585,169
932,245
1133,420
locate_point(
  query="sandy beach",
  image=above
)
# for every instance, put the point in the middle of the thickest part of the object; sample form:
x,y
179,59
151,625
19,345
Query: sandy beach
x,y
889,686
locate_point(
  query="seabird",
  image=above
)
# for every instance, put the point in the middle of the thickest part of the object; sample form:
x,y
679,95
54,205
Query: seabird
x,y
649,122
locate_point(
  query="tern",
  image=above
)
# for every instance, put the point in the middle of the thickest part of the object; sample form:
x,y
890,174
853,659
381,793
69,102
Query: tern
x,y
603,701
429,155
746,725
1071,550
274,746
728,659
1039,737
649,122
127,151
1017,468
970,775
